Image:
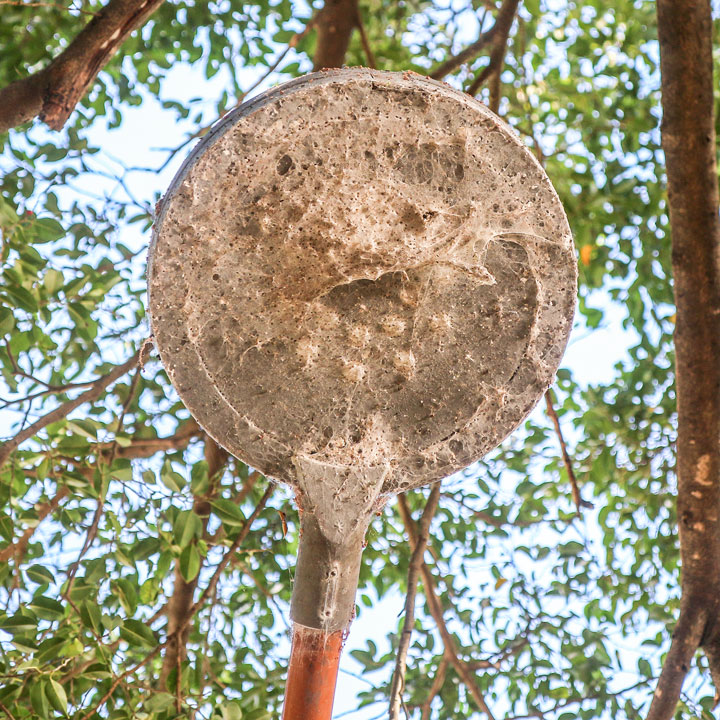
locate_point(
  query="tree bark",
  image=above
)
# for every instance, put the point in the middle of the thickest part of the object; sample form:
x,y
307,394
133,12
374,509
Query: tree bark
x,y
335,24
53,92
688,139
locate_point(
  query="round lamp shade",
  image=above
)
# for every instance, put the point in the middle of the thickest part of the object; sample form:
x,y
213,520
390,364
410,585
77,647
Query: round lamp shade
x,y
365,270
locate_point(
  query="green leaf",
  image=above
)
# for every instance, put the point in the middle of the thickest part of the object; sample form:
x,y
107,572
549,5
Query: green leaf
x,y
21,297
91,617
9,692
39,699
186,527
7,321
137,634
19,623
85,428
56,695
171,479
47,230
97,671
190,562
126,592
228,512
257,714
85,326
6,528
231,711
145,548
122,470
24,644
40,575
46,608
50,649
158,702
199,480
53,281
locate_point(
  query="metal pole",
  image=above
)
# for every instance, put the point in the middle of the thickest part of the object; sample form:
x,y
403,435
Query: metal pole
x,y
323,606
312,673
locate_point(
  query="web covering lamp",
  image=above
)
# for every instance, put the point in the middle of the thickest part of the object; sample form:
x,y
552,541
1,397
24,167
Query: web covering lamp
x,y
360,282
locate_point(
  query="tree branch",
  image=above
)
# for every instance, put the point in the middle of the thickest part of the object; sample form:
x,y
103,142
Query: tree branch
x,y
688,140
20,545
367,49
147,447
144,447
98,388
416,561
335,23
53,92
503,21
435,608
435,688
497,56
574,487
685,642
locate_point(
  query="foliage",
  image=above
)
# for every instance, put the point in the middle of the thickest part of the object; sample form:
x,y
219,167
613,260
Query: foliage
x,y
560,616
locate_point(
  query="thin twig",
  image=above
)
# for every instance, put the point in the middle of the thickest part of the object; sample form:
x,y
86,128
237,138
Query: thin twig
x,y
416,560
502,24
497,56
7,712
18,547
41,393
17,370
575,489
369,55
435,688
98,388
435,608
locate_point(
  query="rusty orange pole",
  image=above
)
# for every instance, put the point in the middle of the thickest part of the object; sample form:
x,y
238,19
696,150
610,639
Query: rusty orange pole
x,y
312,674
